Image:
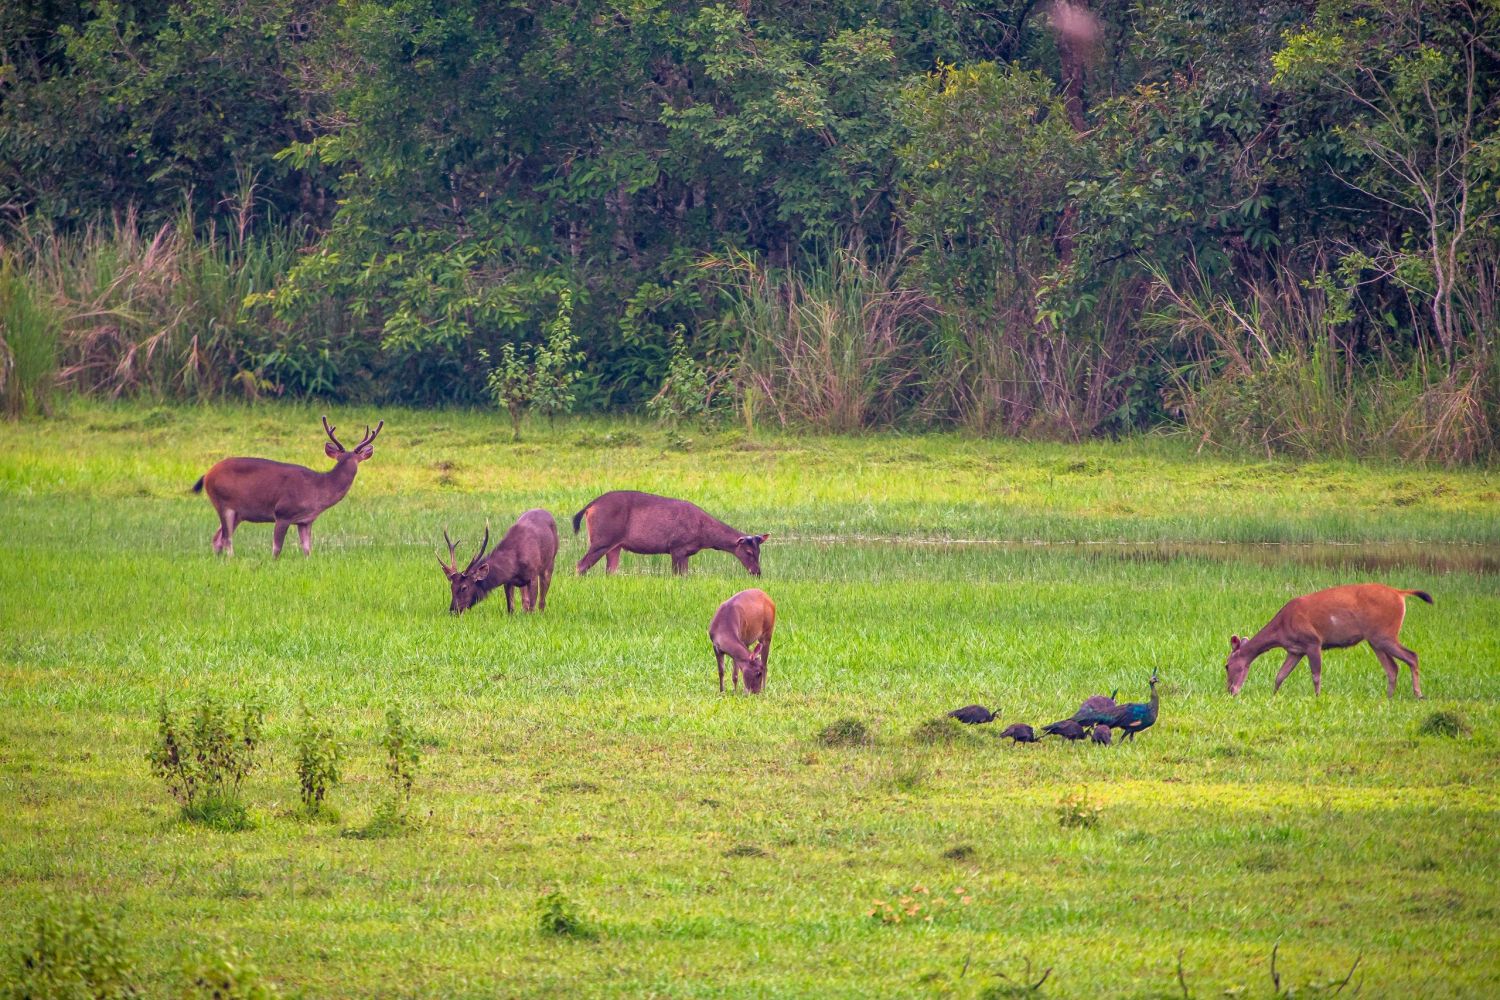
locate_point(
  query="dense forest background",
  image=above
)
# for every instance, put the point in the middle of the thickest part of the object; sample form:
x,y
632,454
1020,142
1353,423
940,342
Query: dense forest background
x,y
1276,225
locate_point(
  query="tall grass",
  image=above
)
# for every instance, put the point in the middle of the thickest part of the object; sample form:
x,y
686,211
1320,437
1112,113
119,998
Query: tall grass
x,y
157,312
30,328
1272,371
834,346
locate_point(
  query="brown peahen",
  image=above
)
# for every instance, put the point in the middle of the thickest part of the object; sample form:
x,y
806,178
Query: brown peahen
x,y
1020,732
972,715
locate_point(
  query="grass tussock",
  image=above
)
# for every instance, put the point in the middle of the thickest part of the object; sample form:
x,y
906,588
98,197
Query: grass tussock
x,y
846,733
1445,724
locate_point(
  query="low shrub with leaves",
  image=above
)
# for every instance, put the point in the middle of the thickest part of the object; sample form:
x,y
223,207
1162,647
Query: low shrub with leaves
x,y
1448,724
559,916
1076,810
543,382
226,974
689,392
204,759
72,953
319,755
845,733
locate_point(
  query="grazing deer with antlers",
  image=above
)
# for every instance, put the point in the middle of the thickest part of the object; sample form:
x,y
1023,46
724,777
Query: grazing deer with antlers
x,y
261,491
523,560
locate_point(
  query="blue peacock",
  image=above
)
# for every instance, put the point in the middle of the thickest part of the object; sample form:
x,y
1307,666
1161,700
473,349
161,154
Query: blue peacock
x,y
1129,718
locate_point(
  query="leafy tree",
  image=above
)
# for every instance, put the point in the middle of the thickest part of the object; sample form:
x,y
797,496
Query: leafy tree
x,y
545,380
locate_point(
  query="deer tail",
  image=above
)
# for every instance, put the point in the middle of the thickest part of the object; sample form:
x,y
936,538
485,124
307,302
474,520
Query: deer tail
x,y
1424,595
578,517
198,488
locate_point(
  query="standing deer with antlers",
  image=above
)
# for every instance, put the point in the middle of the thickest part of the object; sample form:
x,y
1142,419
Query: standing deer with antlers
x,y
261,491
522,561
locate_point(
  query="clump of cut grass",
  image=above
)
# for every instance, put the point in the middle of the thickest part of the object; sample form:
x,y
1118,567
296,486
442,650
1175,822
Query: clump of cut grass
x,y
944,730
745,851
559,916
1445,723
74,951
845,732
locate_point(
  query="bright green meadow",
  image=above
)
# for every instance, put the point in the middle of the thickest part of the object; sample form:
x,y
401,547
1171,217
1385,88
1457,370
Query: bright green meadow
x,y
715,844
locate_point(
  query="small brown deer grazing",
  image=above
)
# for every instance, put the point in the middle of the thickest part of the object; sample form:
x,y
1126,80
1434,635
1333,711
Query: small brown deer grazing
x,y
649,525
1335,618
745,620
261,491
523,560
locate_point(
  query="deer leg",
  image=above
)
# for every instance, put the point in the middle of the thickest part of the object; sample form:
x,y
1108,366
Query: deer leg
x,y
528,595
279,536
304,536
1394,648
510,600
1392,672
612,560
221,536
226,526
1292,659
719,655
593,555
542,594
680,564
1315,666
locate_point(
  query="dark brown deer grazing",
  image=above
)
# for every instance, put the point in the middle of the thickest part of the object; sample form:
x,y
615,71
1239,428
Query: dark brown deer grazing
x,y
649,525
261,491
745,620
1335,618
523,560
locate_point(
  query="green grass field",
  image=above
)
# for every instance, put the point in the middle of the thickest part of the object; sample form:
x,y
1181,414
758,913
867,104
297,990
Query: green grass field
x,y
715,843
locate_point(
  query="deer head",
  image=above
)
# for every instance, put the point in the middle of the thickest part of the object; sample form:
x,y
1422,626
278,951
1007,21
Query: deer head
x,y
360,452
467,585
747,551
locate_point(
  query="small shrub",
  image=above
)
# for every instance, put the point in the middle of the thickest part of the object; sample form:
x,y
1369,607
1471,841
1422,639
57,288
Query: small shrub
x,y
30,328
401,753
204,761
688,391
558,916
1449,724
318,757
845,733
1075,810
227,975
73,953
545,382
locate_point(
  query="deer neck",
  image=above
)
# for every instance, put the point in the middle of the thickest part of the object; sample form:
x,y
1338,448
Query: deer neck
x,y
337,480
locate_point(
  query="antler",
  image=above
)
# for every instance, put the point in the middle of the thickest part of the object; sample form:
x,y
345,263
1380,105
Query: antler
x,y
451,566
330,431
480,554
369,437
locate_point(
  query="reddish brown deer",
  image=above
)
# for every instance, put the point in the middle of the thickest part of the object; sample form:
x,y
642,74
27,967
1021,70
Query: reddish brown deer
x,y
1335,618
649,525
523,560
261,491
742,628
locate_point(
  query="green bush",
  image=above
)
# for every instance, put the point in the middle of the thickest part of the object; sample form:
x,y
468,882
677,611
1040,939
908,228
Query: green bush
x,y
226,974
30,328
558,916
204,760
73,953
319,755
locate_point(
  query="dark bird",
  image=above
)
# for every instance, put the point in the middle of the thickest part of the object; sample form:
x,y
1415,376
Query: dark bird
x,y
1131,718
972,715
1020,732
1095,704
1067,729
1101,734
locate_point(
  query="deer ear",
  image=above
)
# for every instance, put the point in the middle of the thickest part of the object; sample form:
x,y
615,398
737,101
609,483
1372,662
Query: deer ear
x,y
363,453
481,571
1234,642
762,538
332,449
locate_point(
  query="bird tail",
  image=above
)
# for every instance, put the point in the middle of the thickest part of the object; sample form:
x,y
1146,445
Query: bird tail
x,y
1424,595
198,488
